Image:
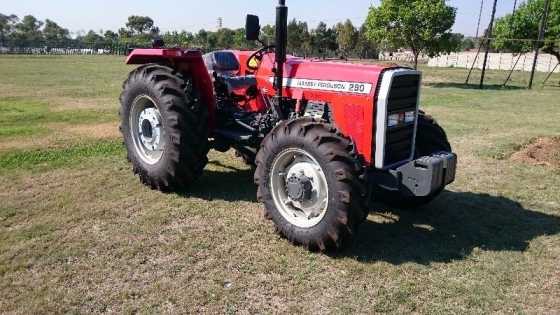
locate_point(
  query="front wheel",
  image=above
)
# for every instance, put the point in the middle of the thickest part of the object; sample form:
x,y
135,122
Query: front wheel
x,y
308,180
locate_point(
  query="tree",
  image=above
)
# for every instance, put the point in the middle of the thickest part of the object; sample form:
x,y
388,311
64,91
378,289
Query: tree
x,y
7,25
239,38
298,37
269,33
211,41
224,38
205,40
124,33
29,29
54,33
91,38
525,24
468,43
423,26
110,36
307,42
138,31
456,42
201,38
365,48
139,25
324,39
240,41
179,39
346,37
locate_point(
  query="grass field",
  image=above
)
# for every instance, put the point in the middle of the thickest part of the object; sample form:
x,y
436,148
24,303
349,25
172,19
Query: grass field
x,y
80,234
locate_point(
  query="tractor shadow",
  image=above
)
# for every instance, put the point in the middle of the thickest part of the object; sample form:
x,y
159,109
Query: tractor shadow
x,y
227,183
450,229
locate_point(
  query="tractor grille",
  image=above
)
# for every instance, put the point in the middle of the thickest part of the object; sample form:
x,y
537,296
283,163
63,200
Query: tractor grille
x,y
401,96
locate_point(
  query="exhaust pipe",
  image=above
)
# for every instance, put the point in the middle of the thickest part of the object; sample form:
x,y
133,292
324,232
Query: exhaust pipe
x,y
281,43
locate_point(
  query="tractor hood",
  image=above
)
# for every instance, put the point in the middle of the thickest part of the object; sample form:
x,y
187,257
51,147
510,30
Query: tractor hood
x,y
303,76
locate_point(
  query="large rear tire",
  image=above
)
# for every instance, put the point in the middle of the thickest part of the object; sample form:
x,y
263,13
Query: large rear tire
x,y
164,126
430,138
308,178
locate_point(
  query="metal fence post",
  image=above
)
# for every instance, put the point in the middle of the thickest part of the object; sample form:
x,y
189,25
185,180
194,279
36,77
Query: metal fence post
x,y
539,40
489,37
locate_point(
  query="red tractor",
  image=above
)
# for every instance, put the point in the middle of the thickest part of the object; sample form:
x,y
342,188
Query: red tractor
x,y
326,138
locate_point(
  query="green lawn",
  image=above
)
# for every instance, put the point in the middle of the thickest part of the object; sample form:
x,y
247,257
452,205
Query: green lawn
x,y
80,234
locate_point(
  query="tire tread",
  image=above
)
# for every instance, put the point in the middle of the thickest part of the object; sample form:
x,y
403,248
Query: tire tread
x,y
186,124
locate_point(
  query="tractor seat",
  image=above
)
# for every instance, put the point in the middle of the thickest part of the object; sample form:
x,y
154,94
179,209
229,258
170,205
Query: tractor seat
x,y
222,62
224,65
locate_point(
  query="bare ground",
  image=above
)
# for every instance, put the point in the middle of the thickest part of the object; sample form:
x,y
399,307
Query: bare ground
x,y
541,151
96,131
61,134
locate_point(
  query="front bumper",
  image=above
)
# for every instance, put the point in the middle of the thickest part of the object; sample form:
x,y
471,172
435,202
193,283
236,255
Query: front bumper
x,y
422,177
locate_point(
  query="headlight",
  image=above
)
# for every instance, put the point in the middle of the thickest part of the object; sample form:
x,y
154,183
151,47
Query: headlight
x,y
409,117
395,120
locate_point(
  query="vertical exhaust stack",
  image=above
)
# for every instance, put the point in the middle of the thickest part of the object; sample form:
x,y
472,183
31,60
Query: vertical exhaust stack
x,y
281,43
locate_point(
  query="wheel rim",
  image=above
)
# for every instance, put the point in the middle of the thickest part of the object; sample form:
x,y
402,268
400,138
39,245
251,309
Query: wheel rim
x,y
299,188
146,128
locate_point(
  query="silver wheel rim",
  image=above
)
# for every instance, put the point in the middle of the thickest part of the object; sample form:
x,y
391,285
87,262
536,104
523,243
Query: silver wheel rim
x,y
297,162
146,129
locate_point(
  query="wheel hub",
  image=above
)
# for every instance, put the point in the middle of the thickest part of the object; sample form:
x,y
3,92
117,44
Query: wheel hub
x,y
147,130
149,124
299,188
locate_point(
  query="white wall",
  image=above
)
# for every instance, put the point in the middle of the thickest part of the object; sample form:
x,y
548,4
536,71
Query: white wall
x,y
496,61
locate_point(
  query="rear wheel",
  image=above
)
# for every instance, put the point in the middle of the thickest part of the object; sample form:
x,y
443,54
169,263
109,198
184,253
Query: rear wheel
x,y
308,179
430,139
164,126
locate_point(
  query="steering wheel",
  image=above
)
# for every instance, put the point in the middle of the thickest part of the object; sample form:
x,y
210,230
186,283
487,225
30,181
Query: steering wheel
x,y
258,56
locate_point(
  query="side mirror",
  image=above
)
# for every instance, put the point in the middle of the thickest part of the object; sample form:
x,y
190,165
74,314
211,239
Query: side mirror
x,y
252,27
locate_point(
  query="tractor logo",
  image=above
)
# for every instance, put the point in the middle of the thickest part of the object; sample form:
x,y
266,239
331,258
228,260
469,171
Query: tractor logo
x,y
322,85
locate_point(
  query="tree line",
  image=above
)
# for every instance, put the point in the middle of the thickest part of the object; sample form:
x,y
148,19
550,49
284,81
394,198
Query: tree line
x,y
423,27
342,38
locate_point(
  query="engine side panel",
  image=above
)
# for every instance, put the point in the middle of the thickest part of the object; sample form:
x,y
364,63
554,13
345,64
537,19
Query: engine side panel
x,y
349,89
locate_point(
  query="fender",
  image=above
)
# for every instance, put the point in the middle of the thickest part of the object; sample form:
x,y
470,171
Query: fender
x,y
187,61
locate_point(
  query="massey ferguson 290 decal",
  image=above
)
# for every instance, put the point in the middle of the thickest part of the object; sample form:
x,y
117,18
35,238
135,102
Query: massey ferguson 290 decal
x,y
335,86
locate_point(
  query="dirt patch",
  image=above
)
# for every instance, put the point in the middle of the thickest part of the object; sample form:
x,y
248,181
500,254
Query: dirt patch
x,y
24,143
541,151
62,134
97,131
67,103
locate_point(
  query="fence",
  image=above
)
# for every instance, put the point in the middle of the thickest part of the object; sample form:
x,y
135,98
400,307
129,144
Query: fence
x,y
496,61
402,56
75,47
47,50
69,47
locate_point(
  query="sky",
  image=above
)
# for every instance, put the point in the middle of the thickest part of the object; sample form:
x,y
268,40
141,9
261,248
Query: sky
x,y
83,15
